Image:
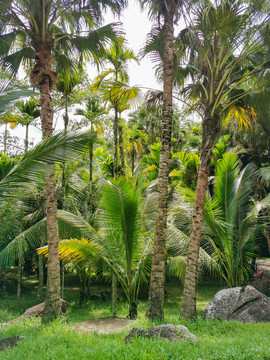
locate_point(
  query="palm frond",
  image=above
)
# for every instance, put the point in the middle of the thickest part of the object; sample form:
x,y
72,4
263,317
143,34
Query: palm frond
x,y
10,92
69,225
59,148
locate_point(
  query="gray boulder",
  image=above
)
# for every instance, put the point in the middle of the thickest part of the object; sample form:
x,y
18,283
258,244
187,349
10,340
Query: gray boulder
x,y
244,304
36,310
169,332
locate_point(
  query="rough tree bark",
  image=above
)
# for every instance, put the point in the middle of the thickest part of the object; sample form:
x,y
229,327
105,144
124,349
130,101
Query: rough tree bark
x,y
43,76
121,149
155,309
40,278
188,305
19,282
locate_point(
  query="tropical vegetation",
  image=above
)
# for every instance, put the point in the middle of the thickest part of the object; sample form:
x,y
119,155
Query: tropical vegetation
x,y
142,193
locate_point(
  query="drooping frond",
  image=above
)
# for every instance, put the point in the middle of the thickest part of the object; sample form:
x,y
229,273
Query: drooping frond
x,y
69,225
60,147
10,92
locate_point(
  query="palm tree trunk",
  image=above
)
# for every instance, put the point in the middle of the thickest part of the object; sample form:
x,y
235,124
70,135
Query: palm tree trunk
x,y
133,158
114,295
40,278
121,149
44,77
66,121
188,305
115,136
19,282
132,314
91,175
26,142
62,279
155,309
5,139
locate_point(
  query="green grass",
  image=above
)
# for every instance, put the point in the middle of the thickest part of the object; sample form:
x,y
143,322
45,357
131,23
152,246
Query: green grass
x,y
57,341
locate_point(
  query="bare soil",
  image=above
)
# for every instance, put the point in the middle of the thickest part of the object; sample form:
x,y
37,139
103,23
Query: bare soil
x,y
105,325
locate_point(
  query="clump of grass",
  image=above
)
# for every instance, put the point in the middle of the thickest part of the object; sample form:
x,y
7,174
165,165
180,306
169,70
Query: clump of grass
x,y
218,339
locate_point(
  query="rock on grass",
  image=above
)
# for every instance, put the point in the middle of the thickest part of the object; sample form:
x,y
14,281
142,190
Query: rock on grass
x,y
168,332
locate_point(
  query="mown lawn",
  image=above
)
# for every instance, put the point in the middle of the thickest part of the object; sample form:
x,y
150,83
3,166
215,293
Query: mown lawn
x,y
218,339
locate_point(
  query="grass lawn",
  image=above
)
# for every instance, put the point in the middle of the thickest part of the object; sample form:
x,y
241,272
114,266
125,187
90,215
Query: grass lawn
x,y
218,339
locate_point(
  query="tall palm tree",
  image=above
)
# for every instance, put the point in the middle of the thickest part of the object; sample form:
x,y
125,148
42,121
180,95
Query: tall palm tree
x,y
65,84
136,139
168,11
92,115
29,112
214,40
111,82
40,26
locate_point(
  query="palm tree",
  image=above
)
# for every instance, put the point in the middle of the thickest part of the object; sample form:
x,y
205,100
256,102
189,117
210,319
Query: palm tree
x,y
29,111
123,240
11,91
92,115
231,222
148,119
112,82
218,32
29,169
136,139
168,11
65,84
39,27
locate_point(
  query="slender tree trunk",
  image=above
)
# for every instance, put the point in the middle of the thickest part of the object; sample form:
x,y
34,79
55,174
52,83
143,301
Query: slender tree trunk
x,y
155,309
85,285
91,208
44,77
62,279
267,227
188,305
132,301
40,278
114,295
115,173
115,136
19,282
121,149
66,121
133,158
26,142
5,139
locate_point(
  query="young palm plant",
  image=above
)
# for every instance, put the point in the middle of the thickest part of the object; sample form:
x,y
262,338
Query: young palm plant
x,y
230,230
122,242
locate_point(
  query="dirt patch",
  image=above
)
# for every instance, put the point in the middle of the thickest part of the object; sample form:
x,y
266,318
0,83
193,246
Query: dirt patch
x,y
103,325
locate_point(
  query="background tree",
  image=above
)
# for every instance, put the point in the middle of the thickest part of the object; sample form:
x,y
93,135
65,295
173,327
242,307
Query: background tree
x,y
168,11
218,31
110,83
39,27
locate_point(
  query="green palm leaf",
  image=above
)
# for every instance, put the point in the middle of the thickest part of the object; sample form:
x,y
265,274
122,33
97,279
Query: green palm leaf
x,y
61,147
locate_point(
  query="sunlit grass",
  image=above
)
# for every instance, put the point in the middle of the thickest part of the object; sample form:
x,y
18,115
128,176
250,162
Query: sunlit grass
x,y
57,341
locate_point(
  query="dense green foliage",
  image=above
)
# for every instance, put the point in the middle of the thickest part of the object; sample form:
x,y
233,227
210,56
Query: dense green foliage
x,y
108,166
